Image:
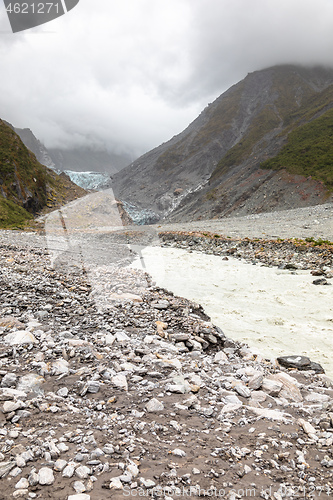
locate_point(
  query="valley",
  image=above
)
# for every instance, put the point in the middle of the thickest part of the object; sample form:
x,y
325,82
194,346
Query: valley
x,y
172,334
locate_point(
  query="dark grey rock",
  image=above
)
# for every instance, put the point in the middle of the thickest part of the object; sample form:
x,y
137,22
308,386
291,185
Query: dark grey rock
x,y
300,362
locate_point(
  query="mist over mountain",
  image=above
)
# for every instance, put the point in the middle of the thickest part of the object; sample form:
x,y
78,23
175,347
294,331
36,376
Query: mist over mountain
x,y
265,144
79,159
87,159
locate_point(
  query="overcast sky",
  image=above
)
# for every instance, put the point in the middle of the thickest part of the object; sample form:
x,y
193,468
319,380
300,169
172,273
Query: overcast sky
x,y
130,74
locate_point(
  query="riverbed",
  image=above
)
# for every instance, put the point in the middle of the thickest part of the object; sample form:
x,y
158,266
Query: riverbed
x,y
279,312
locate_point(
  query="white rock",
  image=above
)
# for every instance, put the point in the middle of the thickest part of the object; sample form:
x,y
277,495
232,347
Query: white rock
x,y
176,388
289,388
93,386
33,478
126,478
272,387
307,427
20,462
62,447
197,346
6,467
122,337
149,339
196,380
133,469
247,469
128,367
79,487
23,484
10,406
169,362
21,493
28,456
154,405
9,393
220,356
229,408
63,392
45,476
178,452
31,383
269,414
108,449
243,391
80,496
53,449
97,453
60,367
83,472
68,471
232,399
256,381
20,337
316,397
116,484
258,396
15,472
109,339
60,465
120,381
147,483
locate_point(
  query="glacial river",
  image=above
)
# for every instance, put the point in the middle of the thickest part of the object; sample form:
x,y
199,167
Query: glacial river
x,y
278,312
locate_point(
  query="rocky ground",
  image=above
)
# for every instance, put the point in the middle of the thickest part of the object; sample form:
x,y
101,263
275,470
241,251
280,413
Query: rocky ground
x,y
315,221
112,387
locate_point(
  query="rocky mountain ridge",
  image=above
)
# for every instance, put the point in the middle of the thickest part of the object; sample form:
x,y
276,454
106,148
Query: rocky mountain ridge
x,y
219,165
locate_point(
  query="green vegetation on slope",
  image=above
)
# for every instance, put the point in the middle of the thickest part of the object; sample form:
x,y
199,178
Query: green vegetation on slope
x,y
26,186
12,216
309,151
22,178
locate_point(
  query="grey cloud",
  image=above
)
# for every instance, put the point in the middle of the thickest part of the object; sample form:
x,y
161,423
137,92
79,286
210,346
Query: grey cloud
x,y
130,74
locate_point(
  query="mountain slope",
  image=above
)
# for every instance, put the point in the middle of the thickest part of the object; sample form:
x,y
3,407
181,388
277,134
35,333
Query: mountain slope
x,y
26,186
34,144
218,165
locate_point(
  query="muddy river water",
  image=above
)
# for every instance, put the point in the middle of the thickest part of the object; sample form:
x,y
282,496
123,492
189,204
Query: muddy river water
x,y
279,312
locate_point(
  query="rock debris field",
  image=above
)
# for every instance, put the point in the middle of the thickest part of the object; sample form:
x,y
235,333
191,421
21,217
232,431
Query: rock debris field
x,y
139,394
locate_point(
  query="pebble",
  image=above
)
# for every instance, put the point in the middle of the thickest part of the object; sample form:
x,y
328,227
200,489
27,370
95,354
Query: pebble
x,y
45,476
127,389
80,496
83,472
154,406
20,338
22,484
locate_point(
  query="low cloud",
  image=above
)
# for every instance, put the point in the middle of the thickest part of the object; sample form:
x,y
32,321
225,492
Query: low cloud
x,y
129,75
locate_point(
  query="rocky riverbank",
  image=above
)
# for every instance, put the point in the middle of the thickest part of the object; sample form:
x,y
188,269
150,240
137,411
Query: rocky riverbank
x,y
139,394
315,255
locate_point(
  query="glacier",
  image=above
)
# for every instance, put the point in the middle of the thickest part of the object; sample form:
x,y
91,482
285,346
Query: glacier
x,y
89,180
140,216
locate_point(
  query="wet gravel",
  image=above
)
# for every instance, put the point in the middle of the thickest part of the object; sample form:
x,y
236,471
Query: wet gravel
x,y
112,387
